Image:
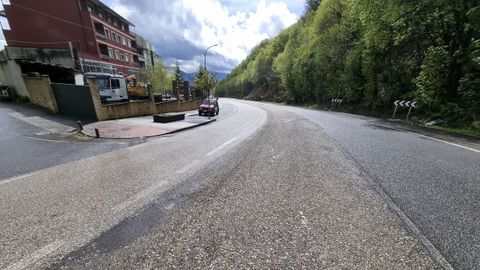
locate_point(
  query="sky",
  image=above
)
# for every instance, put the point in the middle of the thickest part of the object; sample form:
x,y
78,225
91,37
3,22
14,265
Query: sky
x,y
182,29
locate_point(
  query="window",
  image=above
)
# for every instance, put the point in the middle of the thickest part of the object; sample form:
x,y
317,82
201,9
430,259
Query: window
x,y
117,56
90,8
107,33
123,27
102,83
129,43
115,23
115,83
117,38
5,24
110,53
100,14
131,58
109,19
103,50
124,41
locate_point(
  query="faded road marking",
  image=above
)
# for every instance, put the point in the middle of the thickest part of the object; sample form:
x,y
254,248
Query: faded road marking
x,y
26,262
12,179
220,147
188,167
139,196
43,123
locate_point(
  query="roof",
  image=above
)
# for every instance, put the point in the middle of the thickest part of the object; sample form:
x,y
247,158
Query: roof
x,y
107,8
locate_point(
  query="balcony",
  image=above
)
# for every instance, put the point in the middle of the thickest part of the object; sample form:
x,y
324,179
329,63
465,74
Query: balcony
x,y
100,35
99,30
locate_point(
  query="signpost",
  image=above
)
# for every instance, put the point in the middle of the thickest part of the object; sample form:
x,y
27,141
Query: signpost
x,y
337,101
403,103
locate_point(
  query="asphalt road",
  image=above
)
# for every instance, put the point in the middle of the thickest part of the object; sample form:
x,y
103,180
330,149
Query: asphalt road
x,y
265,186
436,184
27,145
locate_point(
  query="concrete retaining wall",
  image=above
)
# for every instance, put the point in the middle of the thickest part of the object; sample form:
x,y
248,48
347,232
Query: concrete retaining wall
x,y
11,74
175,106
41,92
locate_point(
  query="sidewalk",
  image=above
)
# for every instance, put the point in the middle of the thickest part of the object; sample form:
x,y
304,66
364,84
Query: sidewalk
x,y
143,126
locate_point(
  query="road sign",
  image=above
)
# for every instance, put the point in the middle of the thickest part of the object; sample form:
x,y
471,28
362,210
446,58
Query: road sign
x,y
336,101
404,103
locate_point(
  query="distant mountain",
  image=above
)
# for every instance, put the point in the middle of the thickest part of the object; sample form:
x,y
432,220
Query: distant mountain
x,y
191,76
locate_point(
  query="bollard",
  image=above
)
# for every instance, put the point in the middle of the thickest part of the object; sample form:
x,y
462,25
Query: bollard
x,y
80,126
97,133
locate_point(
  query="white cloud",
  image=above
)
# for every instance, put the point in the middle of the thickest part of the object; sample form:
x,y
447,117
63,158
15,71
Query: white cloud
x,y
183,29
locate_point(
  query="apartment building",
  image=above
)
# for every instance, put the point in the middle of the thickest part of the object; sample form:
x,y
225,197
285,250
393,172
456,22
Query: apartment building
x,y
100,39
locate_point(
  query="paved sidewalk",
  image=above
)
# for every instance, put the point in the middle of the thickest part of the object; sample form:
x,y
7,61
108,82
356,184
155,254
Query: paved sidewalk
x,y
143,126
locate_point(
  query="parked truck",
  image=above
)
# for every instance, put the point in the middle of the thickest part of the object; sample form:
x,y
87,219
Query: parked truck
x,y
112,88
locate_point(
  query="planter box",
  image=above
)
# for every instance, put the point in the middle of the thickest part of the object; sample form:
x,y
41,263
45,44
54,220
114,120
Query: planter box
x,y
168,117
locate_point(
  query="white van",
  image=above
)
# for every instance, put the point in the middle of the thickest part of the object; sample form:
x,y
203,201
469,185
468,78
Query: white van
x,y
111,87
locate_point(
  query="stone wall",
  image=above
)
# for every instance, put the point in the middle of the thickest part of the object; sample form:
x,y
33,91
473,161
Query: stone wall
x,y
41,93
119,110
175,106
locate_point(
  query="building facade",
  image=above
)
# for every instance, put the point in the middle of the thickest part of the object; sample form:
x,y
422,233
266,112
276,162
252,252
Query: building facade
x,y
100,39
147,56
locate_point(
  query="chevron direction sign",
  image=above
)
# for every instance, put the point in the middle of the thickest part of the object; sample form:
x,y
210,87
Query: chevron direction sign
x,y
336,101
404,103
407,104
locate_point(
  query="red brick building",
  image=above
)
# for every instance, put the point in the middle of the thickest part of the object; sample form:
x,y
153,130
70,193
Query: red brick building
x,y
101,39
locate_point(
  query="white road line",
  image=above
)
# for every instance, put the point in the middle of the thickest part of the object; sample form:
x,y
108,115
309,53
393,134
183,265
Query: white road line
x,y
454,144
435,139
15,178
139,196
45,140
220,147
188,167
43,252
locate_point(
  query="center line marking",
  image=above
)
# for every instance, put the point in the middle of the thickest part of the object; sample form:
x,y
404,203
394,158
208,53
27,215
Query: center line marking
x,y
139,196
37,255
188,167
220,147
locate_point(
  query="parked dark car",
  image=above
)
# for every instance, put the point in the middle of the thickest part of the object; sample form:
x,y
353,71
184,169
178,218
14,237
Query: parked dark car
x,y
209,107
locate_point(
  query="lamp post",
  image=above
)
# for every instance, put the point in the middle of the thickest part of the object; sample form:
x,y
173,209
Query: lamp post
x,y
205,63
206,72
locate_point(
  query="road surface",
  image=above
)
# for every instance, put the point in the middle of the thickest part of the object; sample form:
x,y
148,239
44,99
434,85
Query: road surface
x,y
265,186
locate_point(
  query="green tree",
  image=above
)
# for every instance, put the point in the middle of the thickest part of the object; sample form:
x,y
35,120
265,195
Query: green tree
x,y
160,78
204,80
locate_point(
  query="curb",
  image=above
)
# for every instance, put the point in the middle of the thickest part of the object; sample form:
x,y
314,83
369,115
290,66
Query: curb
x,y
159,135
186,128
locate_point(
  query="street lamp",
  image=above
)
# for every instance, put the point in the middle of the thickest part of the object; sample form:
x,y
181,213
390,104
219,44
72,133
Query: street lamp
x,y
205,55
205,64
206,72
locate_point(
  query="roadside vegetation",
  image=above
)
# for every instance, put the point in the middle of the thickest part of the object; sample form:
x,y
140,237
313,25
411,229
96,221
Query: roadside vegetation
x,y
370,53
